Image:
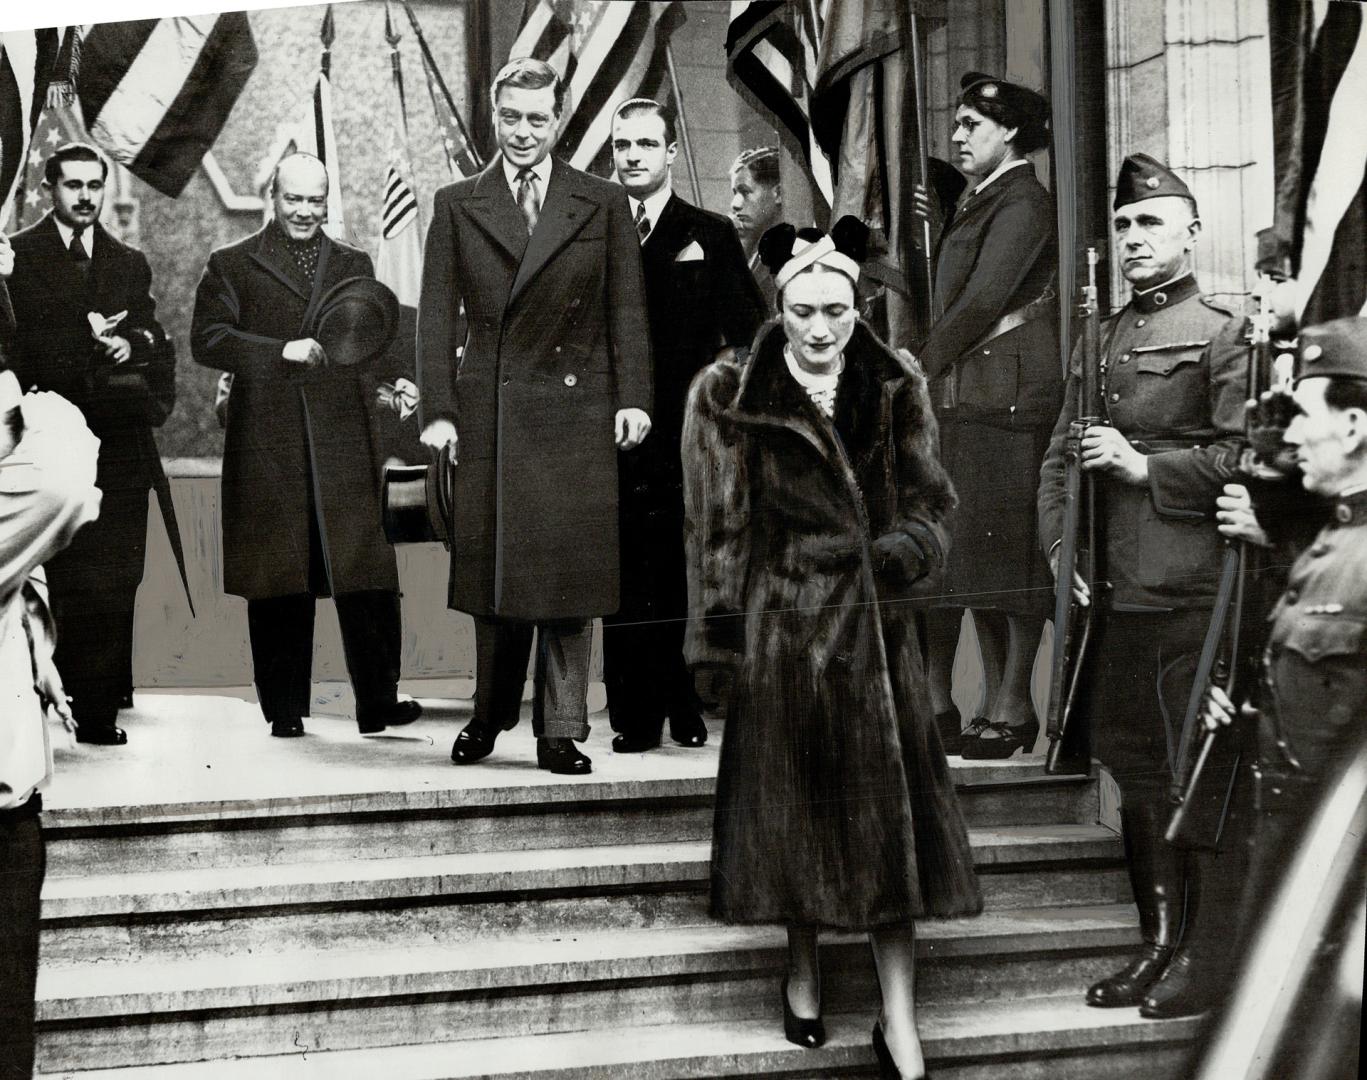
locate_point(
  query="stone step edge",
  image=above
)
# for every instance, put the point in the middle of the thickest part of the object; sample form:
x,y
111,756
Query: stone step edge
x,y
476,800
101,990
1022,1030
483,873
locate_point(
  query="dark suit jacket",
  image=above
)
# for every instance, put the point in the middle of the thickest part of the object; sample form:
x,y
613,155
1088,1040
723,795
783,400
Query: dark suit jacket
x,y
289,427
54,350
557,342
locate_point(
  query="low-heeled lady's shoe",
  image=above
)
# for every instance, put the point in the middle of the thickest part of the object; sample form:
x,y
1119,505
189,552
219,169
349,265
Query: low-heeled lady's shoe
x,y
798,1030
1005,740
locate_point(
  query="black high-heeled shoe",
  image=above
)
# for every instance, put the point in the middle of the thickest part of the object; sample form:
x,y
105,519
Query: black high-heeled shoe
x,y
887,1067
808,1034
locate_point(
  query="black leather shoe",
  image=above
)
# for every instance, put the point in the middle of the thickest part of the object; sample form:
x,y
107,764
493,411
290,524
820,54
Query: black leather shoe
x,y
396,715
561,757
887,1067
998,741
474,743
101,736
634,744
690,731
799,1031
1128,986
1175,993
287,729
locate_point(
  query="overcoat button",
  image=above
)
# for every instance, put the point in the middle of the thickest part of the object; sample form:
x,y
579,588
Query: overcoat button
x,y
557,348
1140,322
1125,359
1115,397
571,379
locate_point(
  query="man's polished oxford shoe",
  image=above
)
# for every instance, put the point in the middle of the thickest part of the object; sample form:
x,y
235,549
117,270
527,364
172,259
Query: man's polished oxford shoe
x,y
102,736
634,744
560,756
396,715
1129,985
690,732
290,728
1176,992
474,743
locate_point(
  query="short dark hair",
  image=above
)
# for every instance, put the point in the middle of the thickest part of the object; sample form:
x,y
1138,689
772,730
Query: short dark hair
x,y
636,106
1011,106
76,151
528,73
761,162
1344,393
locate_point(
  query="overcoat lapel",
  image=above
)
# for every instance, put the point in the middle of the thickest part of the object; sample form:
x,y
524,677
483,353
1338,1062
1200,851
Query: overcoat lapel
x,y
102,265
563,213
670,234
492,208
54,263
271,256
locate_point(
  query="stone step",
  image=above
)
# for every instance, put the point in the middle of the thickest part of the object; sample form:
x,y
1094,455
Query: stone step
x,y
339,999
1057,1038
515,815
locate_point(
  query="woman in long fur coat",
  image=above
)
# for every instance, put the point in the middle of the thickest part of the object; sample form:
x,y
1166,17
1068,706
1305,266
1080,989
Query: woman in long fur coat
x,y
814,501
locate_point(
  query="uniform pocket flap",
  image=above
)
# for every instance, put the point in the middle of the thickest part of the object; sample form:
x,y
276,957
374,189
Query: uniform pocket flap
x,y
1317,636
1164,363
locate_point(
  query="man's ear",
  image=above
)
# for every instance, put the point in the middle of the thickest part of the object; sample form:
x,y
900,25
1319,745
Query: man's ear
x,y
1355,432
1193,231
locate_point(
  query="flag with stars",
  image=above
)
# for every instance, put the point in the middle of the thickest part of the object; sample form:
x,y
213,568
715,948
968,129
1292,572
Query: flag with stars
x,y
27,59
57,125
461,157
605,53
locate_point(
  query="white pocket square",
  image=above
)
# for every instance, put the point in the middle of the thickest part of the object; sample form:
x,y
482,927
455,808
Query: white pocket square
x,y
692,253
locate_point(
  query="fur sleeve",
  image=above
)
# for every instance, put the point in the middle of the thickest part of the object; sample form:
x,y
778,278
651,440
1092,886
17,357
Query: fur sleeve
x,y
716,519
925,495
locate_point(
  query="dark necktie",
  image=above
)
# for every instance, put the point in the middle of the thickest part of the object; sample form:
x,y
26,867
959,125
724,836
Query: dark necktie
x,y
642,222
78,254
527,200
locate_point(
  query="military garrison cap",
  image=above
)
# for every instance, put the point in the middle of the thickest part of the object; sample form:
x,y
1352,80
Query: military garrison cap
x,y
1142,177
1336,349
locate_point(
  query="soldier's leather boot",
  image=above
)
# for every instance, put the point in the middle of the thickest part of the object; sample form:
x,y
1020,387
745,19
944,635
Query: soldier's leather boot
x,y
1178,992
1156,878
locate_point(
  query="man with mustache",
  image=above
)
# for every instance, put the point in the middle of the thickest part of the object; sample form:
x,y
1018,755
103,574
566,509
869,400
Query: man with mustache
x,y
1170,402
86,328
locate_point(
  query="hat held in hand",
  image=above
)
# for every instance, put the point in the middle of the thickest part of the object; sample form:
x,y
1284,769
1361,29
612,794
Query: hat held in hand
x,y
356,320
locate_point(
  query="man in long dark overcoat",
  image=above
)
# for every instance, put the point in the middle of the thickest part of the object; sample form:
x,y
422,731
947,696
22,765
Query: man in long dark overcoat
x,y
551,379
301,503
701,298
86,328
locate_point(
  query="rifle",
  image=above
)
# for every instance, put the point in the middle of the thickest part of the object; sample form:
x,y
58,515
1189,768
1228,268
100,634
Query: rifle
x,y
1203,783
1072,623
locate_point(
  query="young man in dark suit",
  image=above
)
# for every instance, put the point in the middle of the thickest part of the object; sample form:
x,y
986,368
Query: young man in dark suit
x,y
701,298
550,380
86,328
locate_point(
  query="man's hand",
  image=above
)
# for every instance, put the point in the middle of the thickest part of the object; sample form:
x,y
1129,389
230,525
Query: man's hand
x,y
116,348
6,256
631,427
1235,518
304,351
1081,592
51,692
1105,450
1219,710
439,435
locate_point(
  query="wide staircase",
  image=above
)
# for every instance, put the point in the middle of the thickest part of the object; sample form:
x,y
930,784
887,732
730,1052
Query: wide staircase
x,y
530,927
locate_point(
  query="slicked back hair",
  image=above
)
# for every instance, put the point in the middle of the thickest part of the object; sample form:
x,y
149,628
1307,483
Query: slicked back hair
x,y
639,105
527,73
76,151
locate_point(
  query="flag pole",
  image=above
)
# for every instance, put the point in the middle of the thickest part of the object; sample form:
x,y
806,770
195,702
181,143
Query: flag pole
x,y
683,125
1062,92
431,63
922,153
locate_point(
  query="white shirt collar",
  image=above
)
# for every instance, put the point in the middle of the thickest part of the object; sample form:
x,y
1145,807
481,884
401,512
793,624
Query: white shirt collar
x,y
654,204
541,170
87,236
1004,167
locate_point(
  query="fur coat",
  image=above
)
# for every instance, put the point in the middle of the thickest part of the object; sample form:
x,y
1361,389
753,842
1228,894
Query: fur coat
x,y
835,805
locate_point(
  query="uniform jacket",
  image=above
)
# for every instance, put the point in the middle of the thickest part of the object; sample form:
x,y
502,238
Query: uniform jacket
x,y
557,343
288,427
997,254
55,350
1174,386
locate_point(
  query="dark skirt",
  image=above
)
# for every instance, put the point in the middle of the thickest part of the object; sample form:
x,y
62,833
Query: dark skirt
x,y
832,811
994,557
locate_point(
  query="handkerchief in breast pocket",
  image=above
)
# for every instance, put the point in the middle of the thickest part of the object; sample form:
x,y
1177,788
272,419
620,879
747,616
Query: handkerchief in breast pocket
x,y
692,253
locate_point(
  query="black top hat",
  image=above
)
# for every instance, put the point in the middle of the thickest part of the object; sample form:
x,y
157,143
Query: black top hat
x,y
356,320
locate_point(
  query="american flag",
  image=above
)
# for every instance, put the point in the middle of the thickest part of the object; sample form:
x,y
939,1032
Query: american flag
x,y
57,125
26,65
772,48
606,53
398,262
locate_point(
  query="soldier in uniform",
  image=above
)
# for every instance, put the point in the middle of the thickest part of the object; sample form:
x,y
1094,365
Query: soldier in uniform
x,y
1172,409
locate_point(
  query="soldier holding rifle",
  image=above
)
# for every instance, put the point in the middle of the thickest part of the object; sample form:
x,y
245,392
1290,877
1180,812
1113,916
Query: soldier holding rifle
x,y
1170,406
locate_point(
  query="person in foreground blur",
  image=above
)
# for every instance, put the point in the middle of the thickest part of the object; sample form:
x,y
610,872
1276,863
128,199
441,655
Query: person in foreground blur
x,y
86,328
700,298
757,206
47,493
992,358
301,501
1171,401
1312,698
815,502
551,378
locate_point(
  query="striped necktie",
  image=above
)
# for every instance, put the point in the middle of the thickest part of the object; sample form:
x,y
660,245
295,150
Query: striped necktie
x,y
527,200
642,222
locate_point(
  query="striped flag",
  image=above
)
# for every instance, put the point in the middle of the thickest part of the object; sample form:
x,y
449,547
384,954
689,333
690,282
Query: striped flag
x,y
461,158
1319,85
772,48
605,53
26,61
398,263
155,93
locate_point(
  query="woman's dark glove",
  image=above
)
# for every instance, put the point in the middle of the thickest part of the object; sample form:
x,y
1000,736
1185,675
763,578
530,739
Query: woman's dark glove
x,y
902,557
